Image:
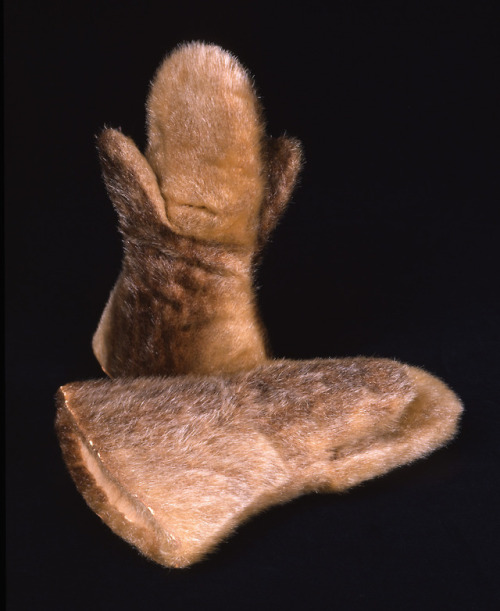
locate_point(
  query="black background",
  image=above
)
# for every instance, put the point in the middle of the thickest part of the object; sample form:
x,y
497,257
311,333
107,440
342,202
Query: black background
x,y
389,248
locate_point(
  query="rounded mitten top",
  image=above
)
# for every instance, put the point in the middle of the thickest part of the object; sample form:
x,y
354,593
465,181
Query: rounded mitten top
x,y
204,144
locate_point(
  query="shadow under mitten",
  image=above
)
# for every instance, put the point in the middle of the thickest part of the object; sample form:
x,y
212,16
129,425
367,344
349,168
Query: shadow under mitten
x,y
194,213
173,465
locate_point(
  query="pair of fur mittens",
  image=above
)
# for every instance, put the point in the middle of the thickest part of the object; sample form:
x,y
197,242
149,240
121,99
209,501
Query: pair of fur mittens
x,y
200,429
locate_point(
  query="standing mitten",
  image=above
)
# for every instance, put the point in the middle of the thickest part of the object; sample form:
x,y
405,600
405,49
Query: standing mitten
x,y
194,213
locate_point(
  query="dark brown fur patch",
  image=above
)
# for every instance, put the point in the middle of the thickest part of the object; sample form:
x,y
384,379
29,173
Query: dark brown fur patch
x,y
164,301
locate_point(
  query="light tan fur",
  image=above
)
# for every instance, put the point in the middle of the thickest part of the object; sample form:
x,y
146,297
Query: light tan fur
x,y
194,212
174,465
205,138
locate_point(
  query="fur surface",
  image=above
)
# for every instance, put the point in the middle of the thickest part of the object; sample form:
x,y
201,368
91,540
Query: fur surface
x,y
194,213
173,465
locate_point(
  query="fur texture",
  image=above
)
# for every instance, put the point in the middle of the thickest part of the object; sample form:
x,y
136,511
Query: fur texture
x,y
194,213
173,465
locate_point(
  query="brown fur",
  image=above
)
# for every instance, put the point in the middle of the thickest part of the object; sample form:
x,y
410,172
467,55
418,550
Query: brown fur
x,y
173,465
195,213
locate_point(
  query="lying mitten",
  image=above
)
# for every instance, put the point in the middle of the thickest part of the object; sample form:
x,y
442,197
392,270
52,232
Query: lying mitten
x,y
194,213
173,465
